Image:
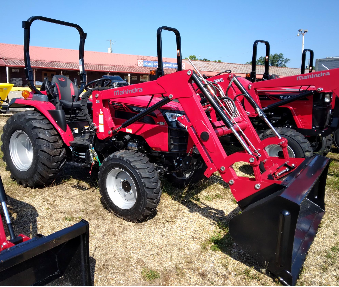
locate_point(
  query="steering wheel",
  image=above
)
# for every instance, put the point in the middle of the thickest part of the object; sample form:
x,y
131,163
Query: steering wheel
x,y
104,83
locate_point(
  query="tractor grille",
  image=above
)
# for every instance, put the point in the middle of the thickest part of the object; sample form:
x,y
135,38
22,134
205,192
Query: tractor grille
x,y
177,140
321,116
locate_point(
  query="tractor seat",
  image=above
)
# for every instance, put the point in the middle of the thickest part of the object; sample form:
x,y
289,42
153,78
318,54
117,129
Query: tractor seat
x,y
67,91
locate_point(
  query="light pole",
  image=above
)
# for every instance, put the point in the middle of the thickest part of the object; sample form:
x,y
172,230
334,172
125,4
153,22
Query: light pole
x,y
302,32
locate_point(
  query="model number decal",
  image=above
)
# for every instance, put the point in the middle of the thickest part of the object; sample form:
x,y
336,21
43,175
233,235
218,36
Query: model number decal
x,y
218,80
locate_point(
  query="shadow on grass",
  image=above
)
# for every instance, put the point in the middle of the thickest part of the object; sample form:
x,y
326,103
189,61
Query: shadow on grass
x,y
221,240
24,221
78,173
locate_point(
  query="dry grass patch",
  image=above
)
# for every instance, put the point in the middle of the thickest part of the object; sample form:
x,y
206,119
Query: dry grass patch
x,y
168,248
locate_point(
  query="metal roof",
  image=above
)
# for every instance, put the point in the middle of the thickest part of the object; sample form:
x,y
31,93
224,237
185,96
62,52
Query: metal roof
x,y
55,58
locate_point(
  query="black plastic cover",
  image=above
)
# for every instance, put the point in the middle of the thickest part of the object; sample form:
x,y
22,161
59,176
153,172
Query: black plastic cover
x,y
279,229
41,260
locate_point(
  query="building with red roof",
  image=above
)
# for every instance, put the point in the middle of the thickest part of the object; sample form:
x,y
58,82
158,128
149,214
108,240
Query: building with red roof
x,y
47,62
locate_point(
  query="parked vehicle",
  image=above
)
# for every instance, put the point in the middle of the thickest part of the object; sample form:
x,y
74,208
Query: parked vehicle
x,y
170,125
307,116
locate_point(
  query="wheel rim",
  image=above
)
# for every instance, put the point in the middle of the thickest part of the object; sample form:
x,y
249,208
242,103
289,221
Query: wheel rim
x,y
276,151
121,188
21,150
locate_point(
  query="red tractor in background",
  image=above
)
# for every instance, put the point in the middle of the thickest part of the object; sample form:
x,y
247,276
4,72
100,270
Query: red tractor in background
x,y
170,125
307,116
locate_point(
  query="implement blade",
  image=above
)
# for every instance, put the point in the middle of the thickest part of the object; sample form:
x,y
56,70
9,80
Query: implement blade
x,y
41,260
279,229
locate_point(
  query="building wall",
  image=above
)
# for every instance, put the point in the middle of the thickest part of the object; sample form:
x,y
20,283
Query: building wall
x,y
18,77
3,78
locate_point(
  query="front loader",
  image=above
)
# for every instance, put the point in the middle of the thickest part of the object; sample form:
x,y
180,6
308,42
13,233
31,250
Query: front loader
x,y
43,259
306,115
172,125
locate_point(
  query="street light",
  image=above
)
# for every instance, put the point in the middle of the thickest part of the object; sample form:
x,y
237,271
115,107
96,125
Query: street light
x,y
302,32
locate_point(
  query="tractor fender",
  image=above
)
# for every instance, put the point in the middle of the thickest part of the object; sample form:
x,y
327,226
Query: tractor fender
x,y
45,108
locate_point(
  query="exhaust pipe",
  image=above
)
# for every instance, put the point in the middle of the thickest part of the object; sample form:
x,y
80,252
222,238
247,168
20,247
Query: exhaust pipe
x,y
279,229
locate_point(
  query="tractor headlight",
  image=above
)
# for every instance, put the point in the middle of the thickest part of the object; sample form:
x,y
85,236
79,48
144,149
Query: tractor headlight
x,y
172,118
328,98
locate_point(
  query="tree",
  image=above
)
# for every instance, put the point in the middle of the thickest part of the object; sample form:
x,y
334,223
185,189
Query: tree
x,y
276,60
193,57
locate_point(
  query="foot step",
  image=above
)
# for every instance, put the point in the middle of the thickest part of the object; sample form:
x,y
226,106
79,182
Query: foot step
x,y
81,141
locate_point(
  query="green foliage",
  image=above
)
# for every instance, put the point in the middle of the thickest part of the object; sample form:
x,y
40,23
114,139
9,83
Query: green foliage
x,y
195,58
68,218
149,275
220,240
333,175
276,60
331,257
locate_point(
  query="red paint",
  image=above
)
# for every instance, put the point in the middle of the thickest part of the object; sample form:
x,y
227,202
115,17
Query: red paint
x,y
44,107
56,84
196,122
72,89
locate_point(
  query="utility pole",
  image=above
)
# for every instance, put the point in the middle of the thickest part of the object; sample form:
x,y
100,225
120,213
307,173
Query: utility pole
x,y
302,32
110,46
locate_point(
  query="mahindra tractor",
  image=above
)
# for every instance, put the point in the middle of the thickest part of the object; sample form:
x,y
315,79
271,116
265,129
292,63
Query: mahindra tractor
x,y
43,259
306,115
171,125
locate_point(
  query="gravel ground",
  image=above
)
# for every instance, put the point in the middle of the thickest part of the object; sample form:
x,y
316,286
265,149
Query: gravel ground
x,y
185,243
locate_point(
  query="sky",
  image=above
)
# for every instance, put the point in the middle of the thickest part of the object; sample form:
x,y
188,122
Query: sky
x,y
216,29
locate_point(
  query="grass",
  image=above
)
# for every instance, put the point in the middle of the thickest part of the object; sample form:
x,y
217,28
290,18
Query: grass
x,y
149,274
173,246
72,218
333,175
220,240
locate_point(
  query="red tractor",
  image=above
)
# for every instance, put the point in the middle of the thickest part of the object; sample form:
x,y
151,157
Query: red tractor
x,y
171,125
306,115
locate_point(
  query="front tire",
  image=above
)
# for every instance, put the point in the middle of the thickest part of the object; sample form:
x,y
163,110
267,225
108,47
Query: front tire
x,y
298,145
129,185
33,150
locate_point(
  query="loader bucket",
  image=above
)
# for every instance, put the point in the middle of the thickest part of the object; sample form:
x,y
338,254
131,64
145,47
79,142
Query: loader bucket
x,y
279,229
43,259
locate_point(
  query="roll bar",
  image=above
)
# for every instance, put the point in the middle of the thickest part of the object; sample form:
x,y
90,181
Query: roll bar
x,y
303,60
160,69
28,69
254,60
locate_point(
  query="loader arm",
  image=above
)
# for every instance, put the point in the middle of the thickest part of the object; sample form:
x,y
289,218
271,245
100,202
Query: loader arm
x,y
204,133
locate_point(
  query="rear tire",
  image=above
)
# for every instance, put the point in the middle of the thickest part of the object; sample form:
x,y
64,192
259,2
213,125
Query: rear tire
x,y
298,145
322,145
129,185
33,150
